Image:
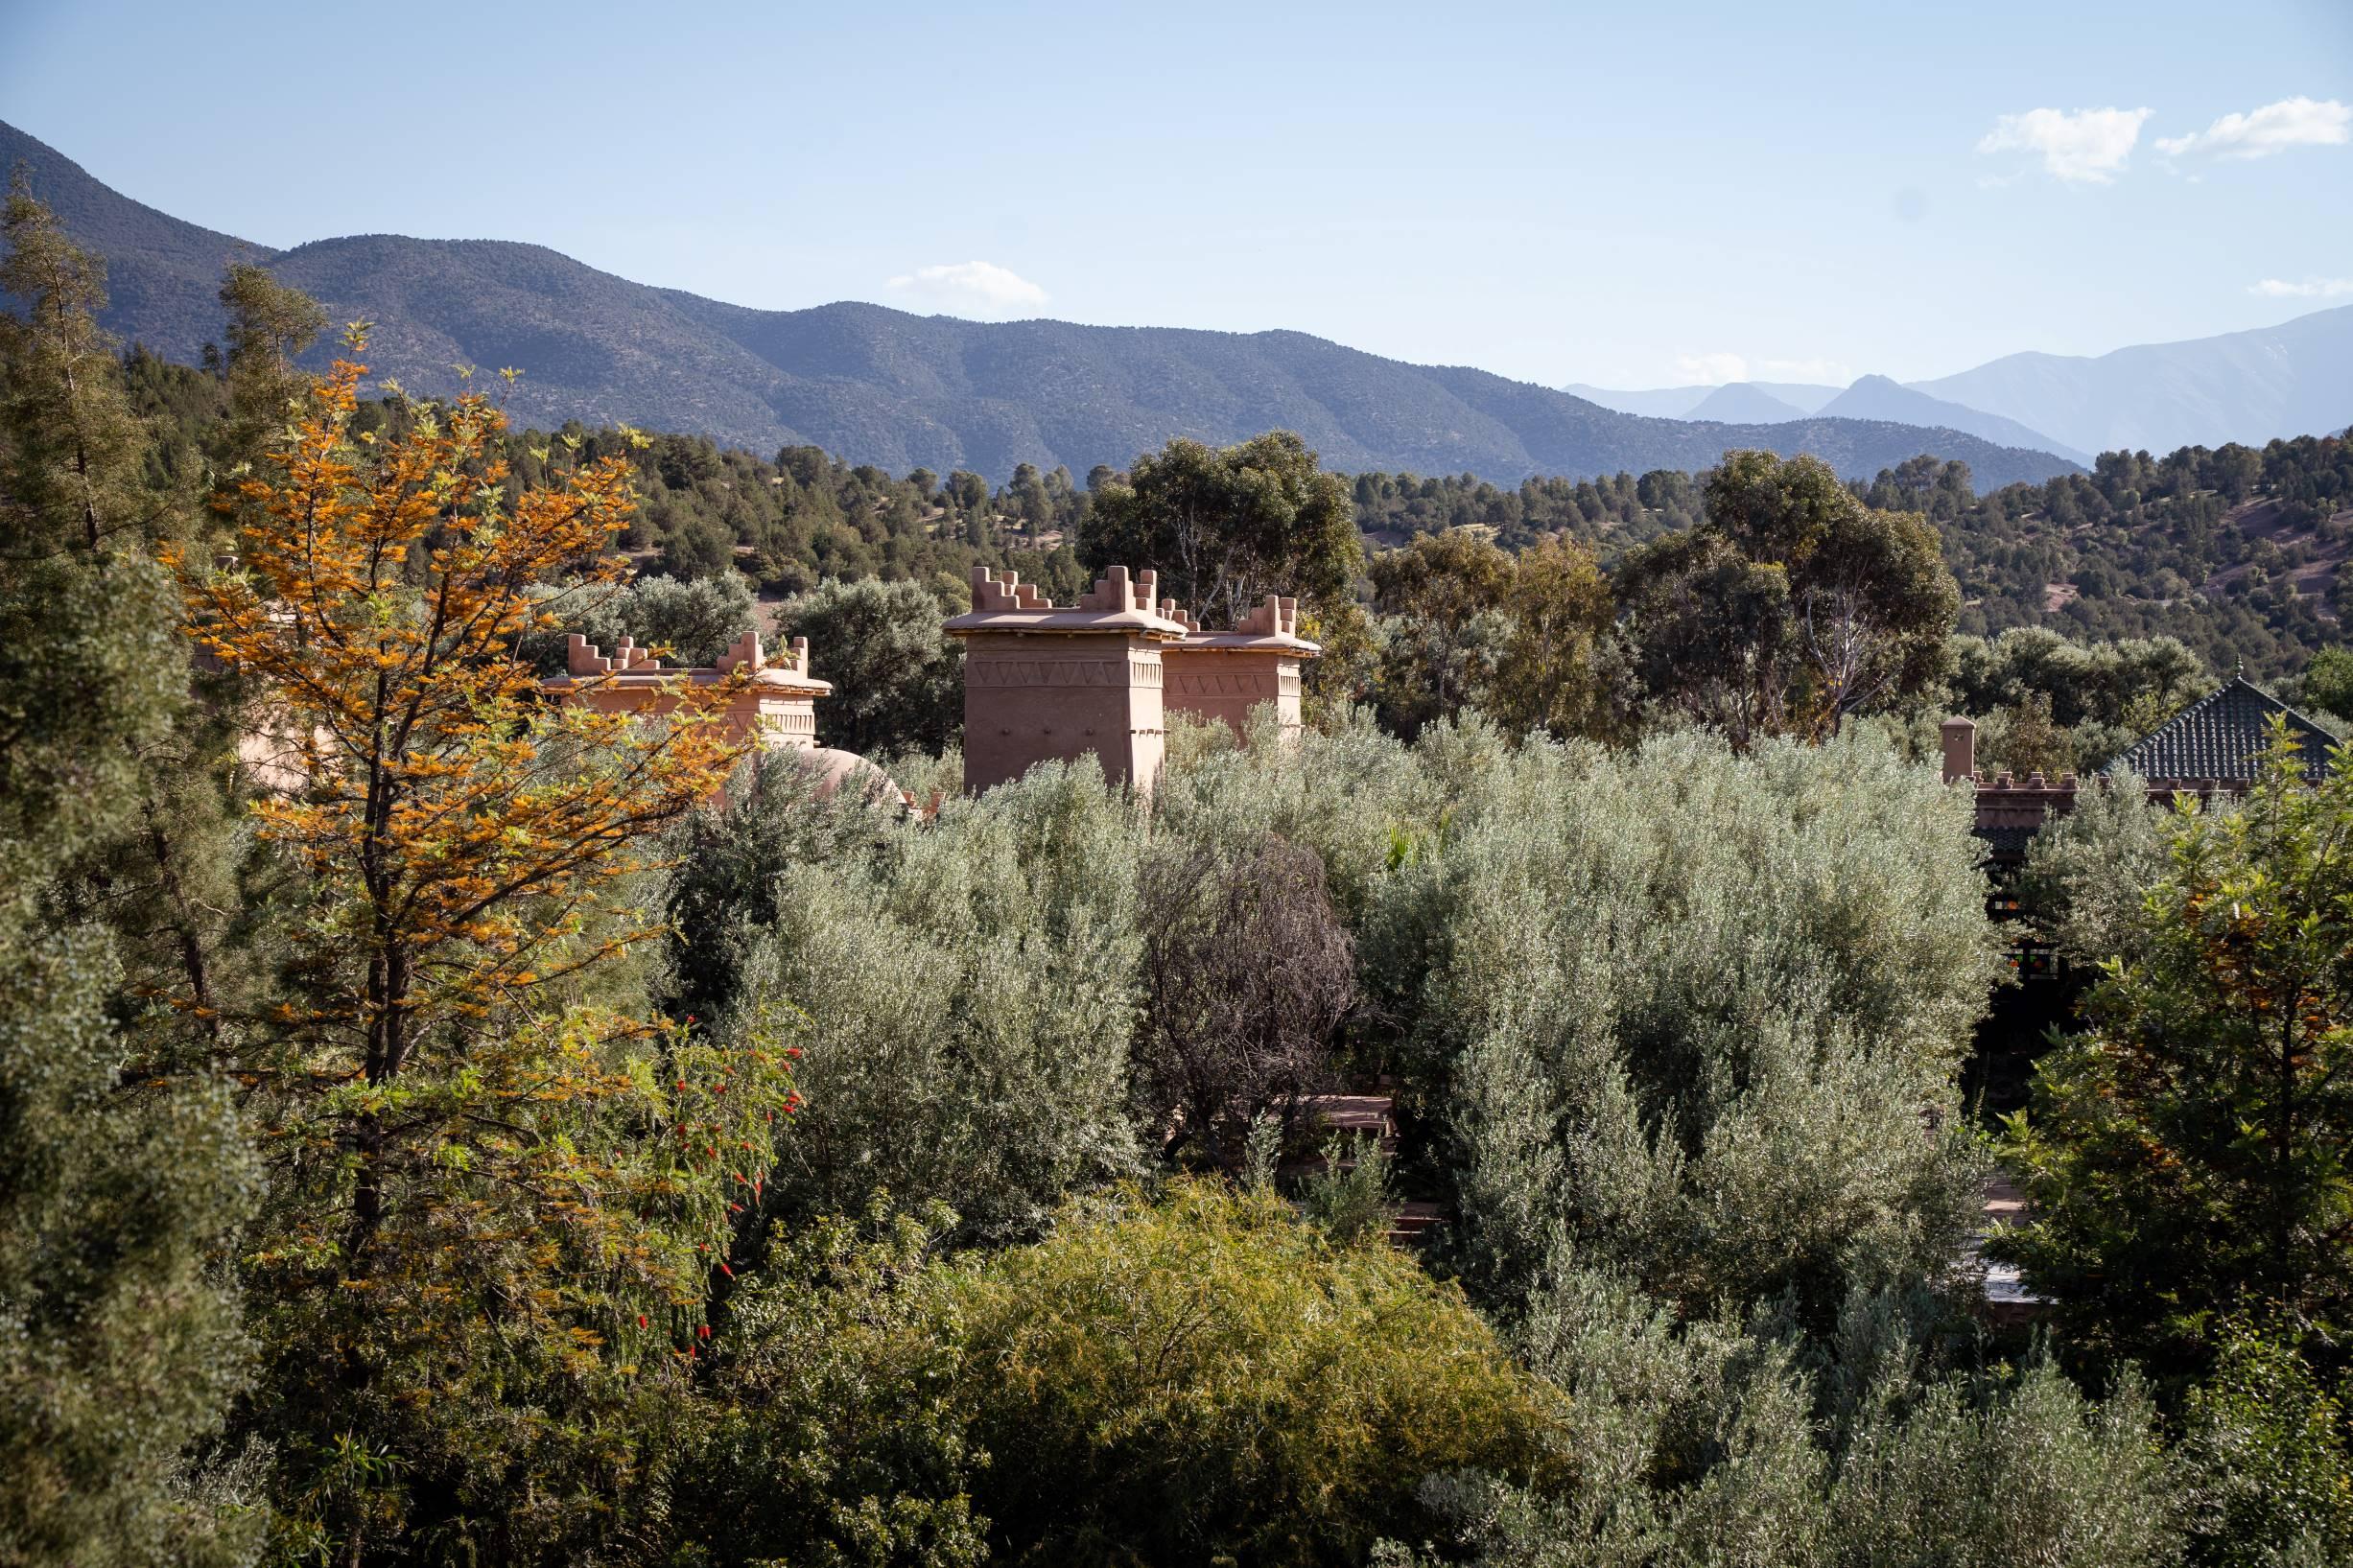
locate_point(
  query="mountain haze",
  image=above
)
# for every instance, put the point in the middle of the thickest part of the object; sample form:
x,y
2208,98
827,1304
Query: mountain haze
x,y
1662,403
1743,402
1876,397
883,387
1684,402
2293,378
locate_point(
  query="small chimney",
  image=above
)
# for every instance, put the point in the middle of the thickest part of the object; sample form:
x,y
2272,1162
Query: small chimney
x,y
1959,735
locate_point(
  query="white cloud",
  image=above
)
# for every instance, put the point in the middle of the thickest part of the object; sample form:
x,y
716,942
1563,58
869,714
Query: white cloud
x,y
973,285
2305,288
2083,147
1712,369
2274,127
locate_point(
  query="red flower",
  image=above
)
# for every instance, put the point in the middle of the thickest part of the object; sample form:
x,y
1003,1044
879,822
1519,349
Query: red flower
x,y
705,1330
641,1320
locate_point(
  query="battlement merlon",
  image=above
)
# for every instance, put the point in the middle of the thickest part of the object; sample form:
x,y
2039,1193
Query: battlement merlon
x,y
582,658
1273,627
1120,602
631,666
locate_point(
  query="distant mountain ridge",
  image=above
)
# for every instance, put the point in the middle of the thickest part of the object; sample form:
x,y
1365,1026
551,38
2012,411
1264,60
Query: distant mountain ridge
x,y
1876,397
883,387
2293,378
1682,402
1744,402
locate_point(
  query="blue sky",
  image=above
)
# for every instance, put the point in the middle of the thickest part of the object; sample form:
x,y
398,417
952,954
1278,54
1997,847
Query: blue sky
x,y
1629,195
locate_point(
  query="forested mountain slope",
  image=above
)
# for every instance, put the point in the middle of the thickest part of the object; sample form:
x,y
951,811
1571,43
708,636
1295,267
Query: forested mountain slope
x,y
881,386
2237,552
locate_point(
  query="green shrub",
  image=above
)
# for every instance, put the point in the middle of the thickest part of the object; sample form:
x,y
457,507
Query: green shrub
x,y
1698,1013
1350,1195
1714,1444
1205,1379
969,992
2265,1459
836,1437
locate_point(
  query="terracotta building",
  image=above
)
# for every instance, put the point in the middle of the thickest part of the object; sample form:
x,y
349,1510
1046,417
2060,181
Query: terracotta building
x,y
1044,682
2210,748
777,707
1223,675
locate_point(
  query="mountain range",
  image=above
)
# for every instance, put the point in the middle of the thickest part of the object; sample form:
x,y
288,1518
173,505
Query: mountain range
x,y
883,386
2293,378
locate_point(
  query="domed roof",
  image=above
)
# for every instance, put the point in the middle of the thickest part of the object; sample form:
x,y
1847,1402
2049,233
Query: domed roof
x,y
833,770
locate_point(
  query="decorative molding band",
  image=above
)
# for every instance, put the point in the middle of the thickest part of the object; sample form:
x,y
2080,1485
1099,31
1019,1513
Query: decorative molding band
x,y
1002,672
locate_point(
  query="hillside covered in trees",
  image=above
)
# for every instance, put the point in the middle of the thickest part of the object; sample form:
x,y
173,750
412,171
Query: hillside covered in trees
x,y
2234,551
895,391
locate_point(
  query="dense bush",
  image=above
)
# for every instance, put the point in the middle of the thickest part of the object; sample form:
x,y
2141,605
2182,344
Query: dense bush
x,y
971,993
2086,875
2188,1154
840,1435
1247,972
1974,1474
1697,1014
2266,1459
1205,1379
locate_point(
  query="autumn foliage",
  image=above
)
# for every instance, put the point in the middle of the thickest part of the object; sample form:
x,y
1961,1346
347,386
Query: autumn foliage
x,y
459,831
492,1180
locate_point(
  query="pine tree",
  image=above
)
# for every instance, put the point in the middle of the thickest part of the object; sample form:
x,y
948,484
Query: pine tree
x,y
118,1345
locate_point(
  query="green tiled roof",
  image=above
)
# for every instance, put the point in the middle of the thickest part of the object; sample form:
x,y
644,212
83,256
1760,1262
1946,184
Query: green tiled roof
x,y
2220,735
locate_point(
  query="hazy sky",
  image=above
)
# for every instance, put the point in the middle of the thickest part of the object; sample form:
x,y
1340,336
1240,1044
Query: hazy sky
x,y
1636,194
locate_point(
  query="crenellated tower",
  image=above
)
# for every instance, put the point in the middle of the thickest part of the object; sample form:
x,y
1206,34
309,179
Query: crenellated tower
x,y
1045,681
1223,675
778,706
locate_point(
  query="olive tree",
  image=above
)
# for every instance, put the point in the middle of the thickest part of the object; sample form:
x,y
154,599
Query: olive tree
x,y
1699,1012
966,999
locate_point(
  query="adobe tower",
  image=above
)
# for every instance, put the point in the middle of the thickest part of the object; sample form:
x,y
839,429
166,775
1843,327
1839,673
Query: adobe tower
x,y
1045,681
778,708
1223,675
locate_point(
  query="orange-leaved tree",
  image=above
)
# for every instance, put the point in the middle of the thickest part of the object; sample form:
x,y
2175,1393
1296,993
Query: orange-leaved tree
x,y
494,1177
